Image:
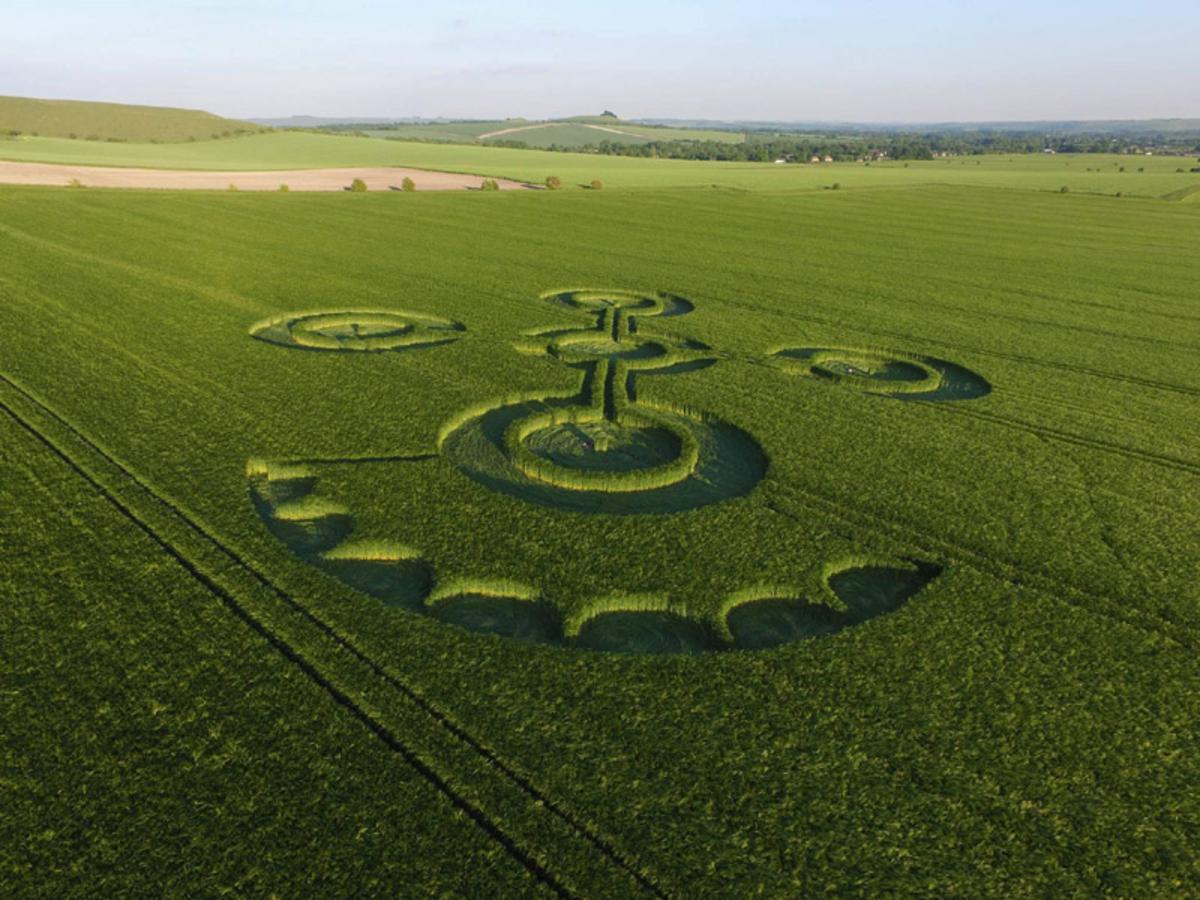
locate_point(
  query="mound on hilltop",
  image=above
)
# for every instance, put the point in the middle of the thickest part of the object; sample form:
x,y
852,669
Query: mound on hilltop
x,y
114,121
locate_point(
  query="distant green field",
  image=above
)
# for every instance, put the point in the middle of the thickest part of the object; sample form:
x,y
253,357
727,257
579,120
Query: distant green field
x,y
570,134
113,121
624,543
578,132
1085,173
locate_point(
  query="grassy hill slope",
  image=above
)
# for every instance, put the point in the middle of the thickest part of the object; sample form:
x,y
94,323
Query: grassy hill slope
x,y
113,121
578,131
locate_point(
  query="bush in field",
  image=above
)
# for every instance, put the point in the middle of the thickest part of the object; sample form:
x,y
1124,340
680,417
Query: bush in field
x,y
75,183
489,184
553,182
408,184
1064,190
232,187
283,189
596,184
836,186
358,186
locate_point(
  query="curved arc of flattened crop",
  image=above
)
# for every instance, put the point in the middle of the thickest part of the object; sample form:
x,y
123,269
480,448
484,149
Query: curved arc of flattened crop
x,y
611,352
882,372
398,575
357,330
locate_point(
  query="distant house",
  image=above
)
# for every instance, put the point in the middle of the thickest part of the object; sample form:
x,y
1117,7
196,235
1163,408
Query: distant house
x,y
878,154
815,159
780,160
828,158
1050,150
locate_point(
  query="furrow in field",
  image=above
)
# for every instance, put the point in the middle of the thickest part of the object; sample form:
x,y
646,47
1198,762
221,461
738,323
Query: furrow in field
x,y
1057,434
471,752
1113,608
340,696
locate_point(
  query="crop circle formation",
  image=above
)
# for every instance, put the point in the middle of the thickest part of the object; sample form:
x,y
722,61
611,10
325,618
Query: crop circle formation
x,y
356,330
600,450
603,451
885,373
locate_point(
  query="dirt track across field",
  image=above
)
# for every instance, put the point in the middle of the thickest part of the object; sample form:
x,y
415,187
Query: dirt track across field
x,y
378,178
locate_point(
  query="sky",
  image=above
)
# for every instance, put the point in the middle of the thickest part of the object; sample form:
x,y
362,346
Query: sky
x,y
865,61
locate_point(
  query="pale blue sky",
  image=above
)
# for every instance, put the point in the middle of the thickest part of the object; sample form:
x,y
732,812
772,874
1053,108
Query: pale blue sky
x,y
862,61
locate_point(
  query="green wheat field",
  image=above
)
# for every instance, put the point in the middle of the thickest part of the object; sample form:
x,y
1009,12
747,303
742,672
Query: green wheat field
x,y
717,533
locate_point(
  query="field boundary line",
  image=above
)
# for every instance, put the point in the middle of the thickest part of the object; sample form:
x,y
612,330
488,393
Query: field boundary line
x,y
454,730
309,669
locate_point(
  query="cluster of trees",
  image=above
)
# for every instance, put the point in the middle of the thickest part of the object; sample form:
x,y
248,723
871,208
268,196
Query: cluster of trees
x,y
762,147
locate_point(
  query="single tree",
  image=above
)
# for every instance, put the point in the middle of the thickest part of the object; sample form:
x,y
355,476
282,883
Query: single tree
x,y
358,186
408,184
283,189
597,184
553,182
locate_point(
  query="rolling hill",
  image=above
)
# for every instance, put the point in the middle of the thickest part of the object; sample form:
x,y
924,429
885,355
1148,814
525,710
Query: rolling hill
x,y
575,131
114,121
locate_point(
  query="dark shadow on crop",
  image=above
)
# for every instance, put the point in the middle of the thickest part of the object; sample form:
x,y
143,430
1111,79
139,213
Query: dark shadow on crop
x,y
575,446
891,375
866,591
402,583
645,632
870,591
731,465
304,537
958,383
283,490
760,624
510,617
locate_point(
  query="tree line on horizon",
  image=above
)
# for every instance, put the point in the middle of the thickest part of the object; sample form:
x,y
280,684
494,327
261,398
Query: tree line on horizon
x,y
891,145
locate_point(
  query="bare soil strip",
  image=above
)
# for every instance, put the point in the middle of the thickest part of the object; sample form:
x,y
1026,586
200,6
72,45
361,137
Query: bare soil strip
x,y
615,131
378,178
